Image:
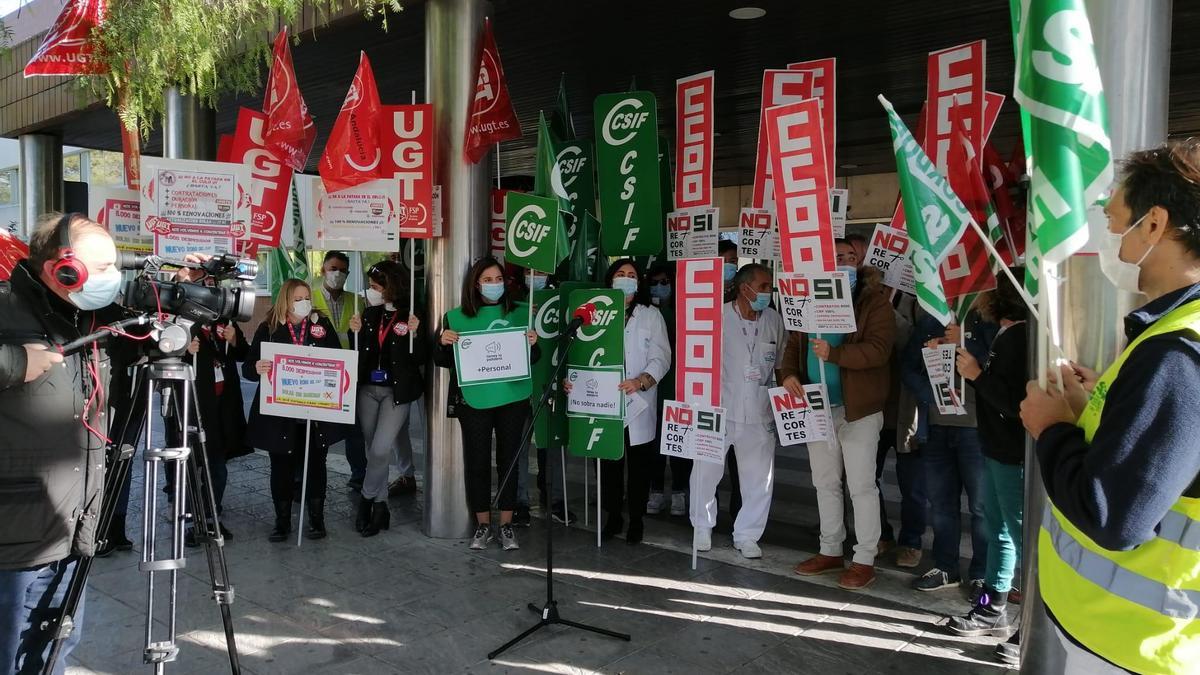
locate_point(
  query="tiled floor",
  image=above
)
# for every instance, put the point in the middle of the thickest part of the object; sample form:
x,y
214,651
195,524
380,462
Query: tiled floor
x,y
402,603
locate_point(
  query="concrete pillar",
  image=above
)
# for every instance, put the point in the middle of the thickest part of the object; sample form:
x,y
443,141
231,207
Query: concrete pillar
x,y
452,30
1133,49
189,128
41,169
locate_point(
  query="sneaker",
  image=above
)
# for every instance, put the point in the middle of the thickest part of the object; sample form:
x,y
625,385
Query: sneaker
x,y
749,549
557,512
678,504
857,577
819,564
935,580
1010,652
975,591
908,557
654,505
508,538
983,619
521,516
482,537
703,537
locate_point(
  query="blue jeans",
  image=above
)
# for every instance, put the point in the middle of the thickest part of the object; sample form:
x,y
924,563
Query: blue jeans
x,y
910,476
953,462
30,598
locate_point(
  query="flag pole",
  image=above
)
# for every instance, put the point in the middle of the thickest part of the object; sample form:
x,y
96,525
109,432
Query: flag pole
x,y
1043,327
587,494
304,483
412,262
598,500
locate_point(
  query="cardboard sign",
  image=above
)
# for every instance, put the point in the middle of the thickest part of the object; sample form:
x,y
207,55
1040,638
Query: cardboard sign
x,y
692,233
758,236
694,140
119,211
797,150
780,87
482,357
699,283
817,303
800,420
823,87
839,208
271,180
627,173
407,140
596,392
887,251
497,225
189,206
598,345
954,75
310,383
940,368
693,431
359,218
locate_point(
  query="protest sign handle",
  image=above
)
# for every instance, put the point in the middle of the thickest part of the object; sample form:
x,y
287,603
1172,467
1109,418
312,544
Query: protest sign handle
x,y
304,483
587,494
412,286
599,520
962,342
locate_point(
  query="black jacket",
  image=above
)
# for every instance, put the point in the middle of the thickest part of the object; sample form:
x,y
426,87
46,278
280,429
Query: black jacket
x,y
999,390
51,467
223,414
277,434
407,382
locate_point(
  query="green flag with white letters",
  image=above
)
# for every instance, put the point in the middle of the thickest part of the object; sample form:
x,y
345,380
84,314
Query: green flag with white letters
x,y
598,345
534,237
627,176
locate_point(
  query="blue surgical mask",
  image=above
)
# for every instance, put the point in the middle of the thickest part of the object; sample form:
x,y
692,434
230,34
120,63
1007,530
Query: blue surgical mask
x,y
730,271
627,285
538,282
492,292
100,290
851,275
660,291
760,302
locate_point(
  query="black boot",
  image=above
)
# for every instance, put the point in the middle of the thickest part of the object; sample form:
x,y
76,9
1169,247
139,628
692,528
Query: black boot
x,y
612,526
988,617
634,534
381,519
364,514
283,521
316,519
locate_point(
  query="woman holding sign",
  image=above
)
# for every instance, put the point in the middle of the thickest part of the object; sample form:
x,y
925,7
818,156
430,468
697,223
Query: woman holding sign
x,y
389,379
487,341
293,320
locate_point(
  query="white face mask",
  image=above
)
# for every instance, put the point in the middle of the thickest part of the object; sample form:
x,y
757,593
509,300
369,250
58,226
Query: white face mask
x,y
1123,275
374,297
301,309
335,280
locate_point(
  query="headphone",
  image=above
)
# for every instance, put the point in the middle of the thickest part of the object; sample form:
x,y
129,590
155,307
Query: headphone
x,y
68,270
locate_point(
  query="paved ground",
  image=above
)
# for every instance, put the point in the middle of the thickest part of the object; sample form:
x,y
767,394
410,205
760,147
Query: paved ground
x,y
401,602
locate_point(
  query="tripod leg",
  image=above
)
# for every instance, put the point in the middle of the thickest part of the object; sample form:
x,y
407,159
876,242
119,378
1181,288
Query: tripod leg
x,y
502,648
601,631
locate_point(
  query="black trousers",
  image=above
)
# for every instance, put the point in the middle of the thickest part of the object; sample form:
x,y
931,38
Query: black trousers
x,y
637,460
286,468
506,424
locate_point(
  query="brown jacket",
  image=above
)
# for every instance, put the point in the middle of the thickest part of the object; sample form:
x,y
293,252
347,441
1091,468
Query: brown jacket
x,y
863,358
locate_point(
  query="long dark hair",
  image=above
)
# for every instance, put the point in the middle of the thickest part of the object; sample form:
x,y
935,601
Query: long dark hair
x,y
642,295
1004,302
390,275
472,301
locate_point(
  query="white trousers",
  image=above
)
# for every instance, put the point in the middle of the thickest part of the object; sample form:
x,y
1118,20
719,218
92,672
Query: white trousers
x,y
853,451
754,447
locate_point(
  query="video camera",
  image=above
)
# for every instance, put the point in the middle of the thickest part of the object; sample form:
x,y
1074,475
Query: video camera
x,y
151,291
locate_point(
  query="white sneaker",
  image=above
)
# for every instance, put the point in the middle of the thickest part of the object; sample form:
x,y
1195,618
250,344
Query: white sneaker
x,y
703,539
654,505
749,549
678,504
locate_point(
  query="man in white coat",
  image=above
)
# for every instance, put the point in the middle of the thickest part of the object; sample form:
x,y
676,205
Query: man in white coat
x,y
752,338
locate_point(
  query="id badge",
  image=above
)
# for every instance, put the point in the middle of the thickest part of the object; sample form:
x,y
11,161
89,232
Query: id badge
x,y
379,376
753,374
218,374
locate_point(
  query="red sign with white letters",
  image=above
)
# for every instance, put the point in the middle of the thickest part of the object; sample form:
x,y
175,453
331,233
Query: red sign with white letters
x,y
407,140
779,88
694,140
955,75
497,225
797,151
823,73
698,331
271,180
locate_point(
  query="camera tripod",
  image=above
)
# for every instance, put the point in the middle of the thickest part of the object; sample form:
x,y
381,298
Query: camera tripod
x,y
173,380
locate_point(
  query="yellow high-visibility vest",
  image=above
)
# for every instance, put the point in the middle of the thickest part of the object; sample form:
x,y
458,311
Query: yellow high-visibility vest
x,y
1139,609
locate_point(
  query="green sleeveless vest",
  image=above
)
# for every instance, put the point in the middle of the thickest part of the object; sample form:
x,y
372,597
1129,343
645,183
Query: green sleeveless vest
x,y
493,394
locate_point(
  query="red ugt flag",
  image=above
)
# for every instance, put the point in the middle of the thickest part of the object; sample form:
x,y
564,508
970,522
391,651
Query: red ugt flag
x,y
352,153
492,116
968,268
291,132
12,251
65,50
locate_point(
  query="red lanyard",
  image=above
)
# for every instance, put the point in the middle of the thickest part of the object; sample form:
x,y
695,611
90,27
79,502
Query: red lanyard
x,y
303,332
383,330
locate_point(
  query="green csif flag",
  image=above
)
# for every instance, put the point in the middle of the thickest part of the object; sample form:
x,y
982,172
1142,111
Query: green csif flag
x,y
547,177
1065,123
627,176
550,427
561,122
290,264
935,217
600,344
534,236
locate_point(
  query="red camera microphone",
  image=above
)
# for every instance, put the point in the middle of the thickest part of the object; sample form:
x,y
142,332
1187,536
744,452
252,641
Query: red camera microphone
x,y
584,315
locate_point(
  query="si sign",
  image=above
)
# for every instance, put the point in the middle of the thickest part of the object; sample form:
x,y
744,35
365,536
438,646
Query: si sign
x,y
627,174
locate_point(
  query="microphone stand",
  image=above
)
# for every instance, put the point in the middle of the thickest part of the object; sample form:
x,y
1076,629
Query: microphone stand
x,y
549,611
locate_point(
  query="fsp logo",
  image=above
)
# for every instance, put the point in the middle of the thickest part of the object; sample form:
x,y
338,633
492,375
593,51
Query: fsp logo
x,y
529,227
625,117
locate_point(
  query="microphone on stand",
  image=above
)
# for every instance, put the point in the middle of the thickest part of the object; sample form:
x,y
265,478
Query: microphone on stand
x,y
584,315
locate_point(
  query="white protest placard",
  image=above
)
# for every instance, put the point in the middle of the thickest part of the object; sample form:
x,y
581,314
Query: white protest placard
x,y
888,251
119,211
189,206
695,432
309,383
940,367
800,420
692,233
839,208
758,235
483,356
596,392
634,406
817,303
360,218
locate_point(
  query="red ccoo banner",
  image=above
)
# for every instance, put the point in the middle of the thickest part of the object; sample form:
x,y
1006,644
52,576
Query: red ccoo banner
x,y
780,87
955,75
698,331
498,224
823,73
271,184
407,140
694,140
797,150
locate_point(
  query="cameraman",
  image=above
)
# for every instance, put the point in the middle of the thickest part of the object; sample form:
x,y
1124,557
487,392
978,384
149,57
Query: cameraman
x,y
53,412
